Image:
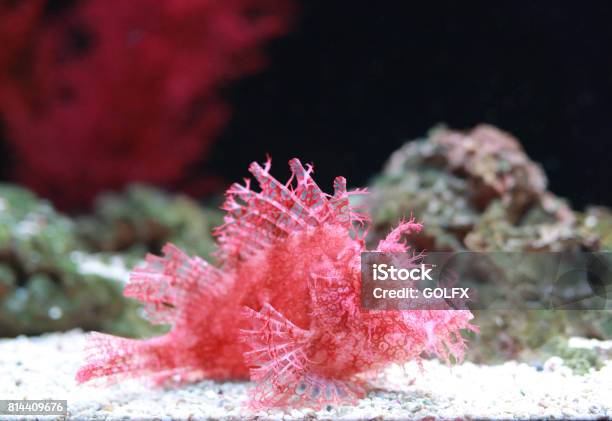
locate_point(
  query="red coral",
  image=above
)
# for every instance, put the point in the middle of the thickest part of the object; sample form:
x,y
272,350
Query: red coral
x,y
283,307
101,95
18,30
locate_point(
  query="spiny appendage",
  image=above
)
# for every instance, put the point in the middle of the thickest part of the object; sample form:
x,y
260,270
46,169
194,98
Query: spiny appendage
x,y
393,243
110,358
172,284
255,220
443,333
280,367
437,332
404,336
175,289
277,354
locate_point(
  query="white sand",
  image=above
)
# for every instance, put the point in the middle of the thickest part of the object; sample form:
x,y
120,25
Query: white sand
x,y
44,368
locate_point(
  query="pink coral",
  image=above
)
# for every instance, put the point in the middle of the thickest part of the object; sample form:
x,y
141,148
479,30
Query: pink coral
x,y
99,95
282,307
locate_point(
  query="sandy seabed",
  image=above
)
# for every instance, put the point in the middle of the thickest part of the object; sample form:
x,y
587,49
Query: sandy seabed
x,y
44,367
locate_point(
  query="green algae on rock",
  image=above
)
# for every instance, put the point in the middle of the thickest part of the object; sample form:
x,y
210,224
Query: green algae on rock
x,y
57,273
143,218
596,227
479,191
44,285
458,184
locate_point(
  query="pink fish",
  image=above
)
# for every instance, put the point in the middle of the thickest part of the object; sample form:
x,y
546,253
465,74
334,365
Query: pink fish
x,y
281,308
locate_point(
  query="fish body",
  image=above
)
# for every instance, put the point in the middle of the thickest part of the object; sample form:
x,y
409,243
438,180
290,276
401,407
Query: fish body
x,y
281,308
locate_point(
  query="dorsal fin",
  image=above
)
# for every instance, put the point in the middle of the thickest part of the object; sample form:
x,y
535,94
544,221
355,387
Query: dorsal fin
x,y
254,220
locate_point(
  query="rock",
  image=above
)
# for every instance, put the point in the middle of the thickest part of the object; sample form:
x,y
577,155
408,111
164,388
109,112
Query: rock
x,y
474,191
142,219
479,191
43,284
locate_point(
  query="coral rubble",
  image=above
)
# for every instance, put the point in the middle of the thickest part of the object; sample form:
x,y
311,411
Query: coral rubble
x,y
479,191
142,219
474,191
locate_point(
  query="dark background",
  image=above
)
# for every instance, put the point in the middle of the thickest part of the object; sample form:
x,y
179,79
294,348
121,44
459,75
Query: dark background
x,y
356,79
